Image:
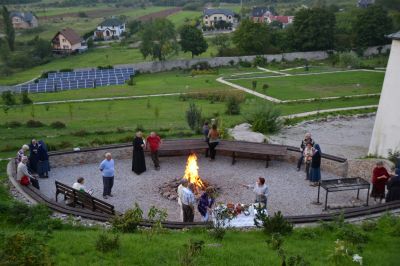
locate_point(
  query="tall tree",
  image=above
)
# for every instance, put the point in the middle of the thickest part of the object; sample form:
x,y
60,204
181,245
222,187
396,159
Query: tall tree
x,y
8,28
313,29
251,38
158,39
192,40
371,25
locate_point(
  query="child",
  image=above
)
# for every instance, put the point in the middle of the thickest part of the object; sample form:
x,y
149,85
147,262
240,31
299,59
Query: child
x,y
308,153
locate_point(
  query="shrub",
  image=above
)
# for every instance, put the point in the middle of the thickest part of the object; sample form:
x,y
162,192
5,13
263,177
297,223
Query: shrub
x,y
82,14
190,251
265,87
233,106
244,63
139,127
265,119
13,124
276,241
368,226
349,59
8,98
195,72
34,123
129,221
25,98
353,235
193,117
254,84
57,125
131,81
201,66
259,61
105,67
106,242
274,224
157,217
24,249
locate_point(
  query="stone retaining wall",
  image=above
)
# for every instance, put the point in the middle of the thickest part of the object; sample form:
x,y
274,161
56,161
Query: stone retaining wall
x,y
363,167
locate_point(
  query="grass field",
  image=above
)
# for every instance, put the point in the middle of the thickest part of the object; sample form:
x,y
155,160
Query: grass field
x,y
183,17
317,86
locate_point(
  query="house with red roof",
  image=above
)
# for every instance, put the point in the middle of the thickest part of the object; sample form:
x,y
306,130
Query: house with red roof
x,y
285,20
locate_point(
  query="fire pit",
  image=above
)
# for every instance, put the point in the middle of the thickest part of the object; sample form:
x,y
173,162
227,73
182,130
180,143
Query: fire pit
x,y
169,189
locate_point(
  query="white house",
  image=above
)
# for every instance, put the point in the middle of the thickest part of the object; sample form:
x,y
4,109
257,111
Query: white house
x,y
110,29
212,16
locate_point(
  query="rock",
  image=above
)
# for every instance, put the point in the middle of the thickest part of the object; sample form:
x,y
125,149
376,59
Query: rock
x,y
243,132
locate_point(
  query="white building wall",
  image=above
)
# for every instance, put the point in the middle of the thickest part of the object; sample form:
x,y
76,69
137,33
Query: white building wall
x,y
386,133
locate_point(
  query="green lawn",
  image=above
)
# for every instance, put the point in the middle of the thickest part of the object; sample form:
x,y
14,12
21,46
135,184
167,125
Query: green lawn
x,y
183,17
317,86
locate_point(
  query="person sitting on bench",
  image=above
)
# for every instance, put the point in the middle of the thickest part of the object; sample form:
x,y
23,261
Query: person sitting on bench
x,y
79,185
23,175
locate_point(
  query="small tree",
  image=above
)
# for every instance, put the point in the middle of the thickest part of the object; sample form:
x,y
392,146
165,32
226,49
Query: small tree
x,y
25,98
8,28
8,98
193,117
233,106
254,84
265,119
265,87
192,40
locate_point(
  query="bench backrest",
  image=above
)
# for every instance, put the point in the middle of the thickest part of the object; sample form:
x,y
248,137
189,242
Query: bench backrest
x,y
84,199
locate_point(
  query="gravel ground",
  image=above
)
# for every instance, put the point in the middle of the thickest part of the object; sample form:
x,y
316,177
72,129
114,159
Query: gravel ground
x,y
344,137
289,192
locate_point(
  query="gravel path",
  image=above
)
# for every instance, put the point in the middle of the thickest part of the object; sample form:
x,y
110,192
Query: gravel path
x,y
345,137
289,192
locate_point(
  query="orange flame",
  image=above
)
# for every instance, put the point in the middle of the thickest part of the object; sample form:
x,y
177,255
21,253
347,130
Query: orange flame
x,y
192,173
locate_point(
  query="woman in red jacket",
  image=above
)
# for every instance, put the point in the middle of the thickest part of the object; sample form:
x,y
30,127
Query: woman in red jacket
x,y
379,178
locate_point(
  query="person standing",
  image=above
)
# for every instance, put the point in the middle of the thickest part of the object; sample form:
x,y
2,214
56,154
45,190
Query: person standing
x,y
308,153
380,177
184,183
138,161
108,172
43,167
23,176
213,140
154,142
21,153
261,191
33,156
205,203
315,173
393,186
188,202
307,138
206,130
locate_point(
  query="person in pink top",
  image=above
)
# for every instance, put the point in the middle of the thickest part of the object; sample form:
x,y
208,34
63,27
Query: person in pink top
x,y
153,143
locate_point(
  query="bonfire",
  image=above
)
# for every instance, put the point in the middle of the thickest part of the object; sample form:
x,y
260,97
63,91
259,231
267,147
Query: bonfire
x,y
192,173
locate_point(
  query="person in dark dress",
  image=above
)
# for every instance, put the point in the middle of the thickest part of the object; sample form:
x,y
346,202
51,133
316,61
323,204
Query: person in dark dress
x,y
315,173
43,166
380,177
33,156
205,203
393,186
138,161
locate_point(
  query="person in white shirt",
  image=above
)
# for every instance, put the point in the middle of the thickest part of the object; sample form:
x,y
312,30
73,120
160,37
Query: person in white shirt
x,y
261,191
184,183
79,185
22,170
188,203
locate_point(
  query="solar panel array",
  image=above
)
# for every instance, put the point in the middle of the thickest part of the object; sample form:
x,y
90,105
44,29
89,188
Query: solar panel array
x,y
60,81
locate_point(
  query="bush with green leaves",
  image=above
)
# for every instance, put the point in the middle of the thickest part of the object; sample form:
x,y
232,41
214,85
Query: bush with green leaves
x,y
265,119
24,249
244,63
8,98
35,217
34,123
25,98
156,217
106,242
190,251
193,117
57,125
274,224
349,59
254,84
353,235
260,61
233,106
276,241
129,221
